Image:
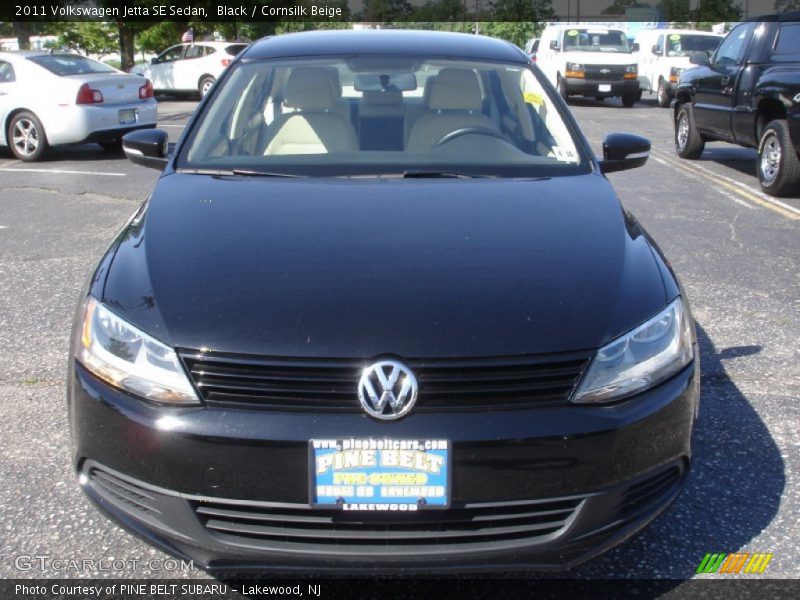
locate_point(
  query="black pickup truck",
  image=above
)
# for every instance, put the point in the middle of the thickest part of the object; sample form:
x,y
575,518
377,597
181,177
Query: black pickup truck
x,y
747,93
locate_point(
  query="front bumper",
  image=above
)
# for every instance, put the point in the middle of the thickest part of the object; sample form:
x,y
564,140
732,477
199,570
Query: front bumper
x,y
229,488
592,87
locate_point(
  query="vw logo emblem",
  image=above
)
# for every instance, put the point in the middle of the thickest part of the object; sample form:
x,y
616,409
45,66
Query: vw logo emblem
x,y
387,390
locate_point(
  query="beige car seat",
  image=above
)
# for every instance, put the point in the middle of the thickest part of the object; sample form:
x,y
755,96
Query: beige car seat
x,y
315,126
455,102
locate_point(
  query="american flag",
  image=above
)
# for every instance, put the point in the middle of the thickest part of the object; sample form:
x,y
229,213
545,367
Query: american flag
x,y
188,37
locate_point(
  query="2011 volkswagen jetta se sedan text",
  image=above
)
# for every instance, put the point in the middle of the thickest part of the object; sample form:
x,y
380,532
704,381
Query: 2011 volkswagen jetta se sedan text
x,y
383,312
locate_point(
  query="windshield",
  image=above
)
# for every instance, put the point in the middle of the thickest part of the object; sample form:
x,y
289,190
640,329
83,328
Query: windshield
x,y
684,45
70,64
368,115
596,40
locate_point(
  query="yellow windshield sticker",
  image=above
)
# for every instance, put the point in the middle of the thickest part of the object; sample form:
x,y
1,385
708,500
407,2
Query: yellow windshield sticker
x,y
675,37
534,98
572,32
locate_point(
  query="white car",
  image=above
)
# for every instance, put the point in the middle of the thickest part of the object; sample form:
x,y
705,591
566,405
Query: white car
x,y
49,99
585,60
663,54
189,67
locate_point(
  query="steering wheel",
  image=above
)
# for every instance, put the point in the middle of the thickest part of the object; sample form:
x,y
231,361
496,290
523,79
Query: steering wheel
x,y
449,137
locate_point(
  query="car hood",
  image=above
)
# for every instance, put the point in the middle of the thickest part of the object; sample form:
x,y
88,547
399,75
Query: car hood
x,y
360,268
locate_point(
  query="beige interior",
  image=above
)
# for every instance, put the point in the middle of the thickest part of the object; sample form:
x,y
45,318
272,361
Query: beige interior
x,y
315,126
454,102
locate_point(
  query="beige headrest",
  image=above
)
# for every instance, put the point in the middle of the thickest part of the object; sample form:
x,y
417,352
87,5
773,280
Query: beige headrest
x,y
455,89
309,88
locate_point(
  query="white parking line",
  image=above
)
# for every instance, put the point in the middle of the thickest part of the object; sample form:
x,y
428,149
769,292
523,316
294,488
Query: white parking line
x,y
63,172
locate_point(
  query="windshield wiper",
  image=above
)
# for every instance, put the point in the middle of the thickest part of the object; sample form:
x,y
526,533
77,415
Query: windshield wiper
x,y
441,175
249,173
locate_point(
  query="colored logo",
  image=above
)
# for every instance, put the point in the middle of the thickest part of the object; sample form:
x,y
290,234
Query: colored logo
x,y
738,562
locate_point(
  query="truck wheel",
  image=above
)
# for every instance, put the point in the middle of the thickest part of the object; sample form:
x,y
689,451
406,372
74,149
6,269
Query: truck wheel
x,y
26,137
688,142
778,166
662,95
628,100
562,89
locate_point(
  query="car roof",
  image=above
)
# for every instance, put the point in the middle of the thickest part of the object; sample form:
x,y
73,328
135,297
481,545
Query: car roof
x,y
401,42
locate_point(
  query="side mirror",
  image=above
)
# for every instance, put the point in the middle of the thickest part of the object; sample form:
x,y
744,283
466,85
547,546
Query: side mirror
x,y
154,60
147,147
656,49
699,58
623,151
635,47
554,45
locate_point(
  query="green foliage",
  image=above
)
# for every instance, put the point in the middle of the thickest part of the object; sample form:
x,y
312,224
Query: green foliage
x,y
87,37
385,11
619,6
786,5
715,11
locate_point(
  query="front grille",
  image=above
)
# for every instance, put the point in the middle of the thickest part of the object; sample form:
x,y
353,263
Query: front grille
x,y
296,526
444,384
595,72
129,495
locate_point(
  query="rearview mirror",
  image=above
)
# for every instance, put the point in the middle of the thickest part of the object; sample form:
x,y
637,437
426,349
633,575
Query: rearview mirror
x,y
699,58
147,147
635,47
623,151
656,49
554,45
154,60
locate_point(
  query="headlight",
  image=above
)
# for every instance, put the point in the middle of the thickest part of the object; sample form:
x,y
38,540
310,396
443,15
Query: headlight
x,y
574,70
631,69
127,358
639,359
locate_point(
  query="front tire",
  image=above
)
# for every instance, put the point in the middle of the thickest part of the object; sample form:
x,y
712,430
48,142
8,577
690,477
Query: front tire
x,y
26,137
205,85
688,141
662,95
778,167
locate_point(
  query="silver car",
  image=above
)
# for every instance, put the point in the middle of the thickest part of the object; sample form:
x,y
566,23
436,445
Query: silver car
x,y
47,99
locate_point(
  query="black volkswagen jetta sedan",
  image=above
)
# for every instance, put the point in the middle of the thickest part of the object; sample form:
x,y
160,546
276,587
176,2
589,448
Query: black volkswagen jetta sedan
x,y
383,312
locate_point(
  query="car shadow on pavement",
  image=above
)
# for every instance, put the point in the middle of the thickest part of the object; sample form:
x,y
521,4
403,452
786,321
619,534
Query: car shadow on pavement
x,y
739,159
733,492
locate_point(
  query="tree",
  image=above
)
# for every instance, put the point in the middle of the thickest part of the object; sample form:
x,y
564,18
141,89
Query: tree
x,y
619,6
715,11
385,11
87,37
786,5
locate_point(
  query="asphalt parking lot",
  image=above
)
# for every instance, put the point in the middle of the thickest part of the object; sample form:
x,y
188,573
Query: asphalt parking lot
x,y
736,251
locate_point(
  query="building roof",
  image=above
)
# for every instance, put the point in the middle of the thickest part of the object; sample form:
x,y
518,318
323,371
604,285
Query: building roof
x,y
385,41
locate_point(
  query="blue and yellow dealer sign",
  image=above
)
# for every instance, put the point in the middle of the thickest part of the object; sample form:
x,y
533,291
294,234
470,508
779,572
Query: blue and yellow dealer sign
x,y
380,474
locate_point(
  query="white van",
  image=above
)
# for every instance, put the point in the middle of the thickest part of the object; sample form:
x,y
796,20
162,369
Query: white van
x,y
585,60
663,54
